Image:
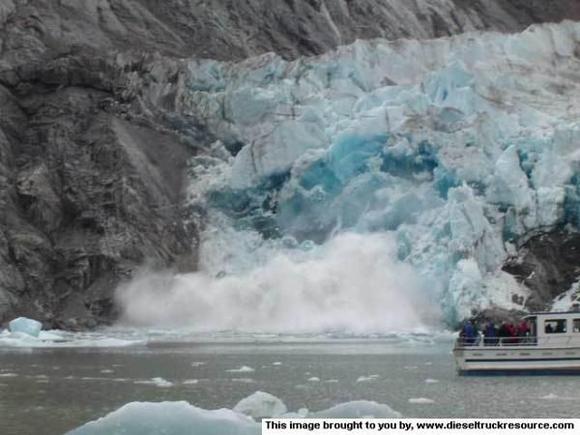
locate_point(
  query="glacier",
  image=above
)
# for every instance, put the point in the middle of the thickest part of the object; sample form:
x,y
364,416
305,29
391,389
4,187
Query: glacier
x,y
375,182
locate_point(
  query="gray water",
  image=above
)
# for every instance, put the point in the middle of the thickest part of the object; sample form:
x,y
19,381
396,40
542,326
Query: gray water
x,y
50,391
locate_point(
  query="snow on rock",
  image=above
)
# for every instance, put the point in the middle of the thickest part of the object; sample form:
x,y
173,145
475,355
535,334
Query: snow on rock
x,y
261,405
26,326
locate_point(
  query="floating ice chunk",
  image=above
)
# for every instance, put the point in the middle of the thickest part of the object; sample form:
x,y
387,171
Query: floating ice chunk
x,y
191,382
277,363
105,371
357,409
421,401
26,326
550,396
314,379
169,418
261,405
8,375
176,418
243,380
431,381
197,364
367,378
59,339
158,382
242,369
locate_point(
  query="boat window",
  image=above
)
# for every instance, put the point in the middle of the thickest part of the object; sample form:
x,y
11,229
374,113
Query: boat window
x,y
576,325
555,326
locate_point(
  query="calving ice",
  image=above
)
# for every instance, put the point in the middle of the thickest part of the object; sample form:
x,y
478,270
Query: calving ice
x,y
429,160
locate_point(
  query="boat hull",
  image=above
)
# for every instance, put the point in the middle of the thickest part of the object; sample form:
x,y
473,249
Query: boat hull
x,y
518,360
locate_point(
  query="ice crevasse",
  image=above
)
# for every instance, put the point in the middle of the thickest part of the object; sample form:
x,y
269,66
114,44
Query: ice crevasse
x,y
452,148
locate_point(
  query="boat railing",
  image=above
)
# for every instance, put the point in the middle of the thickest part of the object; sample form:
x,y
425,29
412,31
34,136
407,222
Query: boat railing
x,y
480,341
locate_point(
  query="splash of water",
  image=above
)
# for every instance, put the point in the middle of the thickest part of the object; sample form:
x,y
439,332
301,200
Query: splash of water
x,y
353,283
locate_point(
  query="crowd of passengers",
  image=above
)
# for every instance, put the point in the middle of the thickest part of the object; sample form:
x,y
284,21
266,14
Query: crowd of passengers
x,y
506,334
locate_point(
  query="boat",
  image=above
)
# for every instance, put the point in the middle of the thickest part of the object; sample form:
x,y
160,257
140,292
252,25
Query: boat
x,y
552,346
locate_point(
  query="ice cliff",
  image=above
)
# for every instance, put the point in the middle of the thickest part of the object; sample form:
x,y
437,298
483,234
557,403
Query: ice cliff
x,y
455,147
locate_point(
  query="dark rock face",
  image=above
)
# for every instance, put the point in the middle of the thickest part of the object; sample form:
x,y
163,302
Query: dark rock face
x,y
548,264
92,162
92,189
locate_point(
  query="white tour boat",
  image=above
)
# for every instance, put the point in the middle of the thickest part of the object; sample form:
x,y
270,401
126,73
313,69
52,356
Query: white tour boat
x,y
551,347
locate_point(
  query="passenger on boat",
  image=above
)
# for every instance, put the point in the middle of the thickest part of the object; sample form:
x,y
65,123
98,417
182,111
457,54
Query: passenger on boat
x,y
503,332
523,331
507,333
468,333
490,334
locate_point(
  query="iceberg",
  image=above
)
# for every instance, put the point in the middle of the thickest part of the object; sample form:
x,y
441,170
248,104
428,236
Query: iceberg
x,y
176,418
261,405
171,418
23,325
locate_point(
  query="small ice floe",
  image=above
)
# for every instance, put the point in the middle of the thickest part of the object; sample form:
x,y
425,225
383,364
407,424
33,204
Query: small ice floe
x,y
104,371
277,363
158,382
313,379
421,401
410,367
431,381
261,405
357,409
243,380
242,369
331,381
8,375
369,378
197,364
23,325
190,382
550,396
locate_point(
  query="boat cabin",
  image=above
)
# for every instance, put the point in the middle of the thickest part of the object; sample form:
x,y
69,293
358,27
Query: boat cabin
x,y
545,329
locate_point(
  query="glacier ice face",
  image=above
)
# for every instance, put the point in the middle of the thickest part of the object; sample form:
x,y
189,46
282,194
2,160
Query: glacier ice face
x,y
455,147
23,325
